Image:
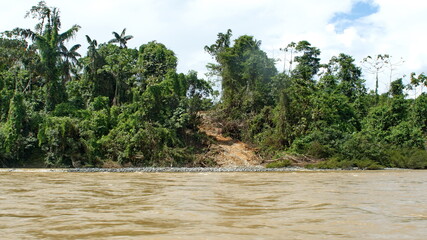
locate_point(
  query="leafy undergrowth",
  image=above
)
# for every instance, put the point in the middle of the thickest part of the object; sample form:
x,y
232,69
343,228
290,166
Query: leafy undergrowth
x,y
335,163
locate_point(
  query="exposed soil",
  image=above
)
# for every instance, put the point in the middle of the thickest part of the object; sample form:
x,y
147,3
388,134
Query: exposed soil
x,y
225,151
228,152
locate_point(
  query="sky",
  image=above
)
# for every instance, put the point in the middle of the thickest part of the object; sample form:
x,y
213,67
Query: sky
x,y
355,27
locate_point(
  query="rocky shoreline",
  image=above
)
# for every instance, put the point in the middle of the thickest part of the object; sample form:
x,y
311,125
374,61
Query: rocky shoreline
x,y
176,170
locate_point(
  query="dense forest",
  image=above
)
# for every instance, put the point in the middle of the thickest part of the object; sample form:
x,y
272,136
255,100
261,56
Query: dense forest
x,y
119,106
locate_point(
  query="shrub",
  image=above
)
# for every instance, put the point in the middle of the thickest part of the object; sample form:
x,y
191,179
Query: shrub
x,y
279,164
363,146
407,135
60,139
408,158
319,143
336,163
367,164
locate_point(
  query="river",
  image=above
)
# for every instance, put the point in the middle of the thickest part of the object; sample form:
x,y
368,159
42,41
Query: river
x,y
275,205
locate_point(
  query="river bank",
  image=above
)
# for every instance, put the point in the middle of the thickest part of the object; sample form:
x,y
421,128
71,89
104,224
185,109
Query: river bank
x,y
183,170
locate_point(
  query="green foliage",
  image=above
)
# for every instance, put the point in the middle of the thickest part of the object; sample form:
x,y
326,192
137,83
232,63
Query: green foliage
x,y
408,158
15,130
120,63
336,163
3,154
397,88
147,145
308,62
406,135
48,39
129,107
65,109
419,112
246,74
362,145
320,143
332,163
154,61
60,139
279,164
121,39
344,76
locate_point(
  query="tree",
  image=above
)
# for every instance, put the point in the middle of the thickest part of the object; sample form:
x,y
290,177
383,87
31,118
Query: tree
x,y
18,66
308,62
223,42
397,87
154,61
347,76
14,129
48,41
245,71
121,39
289,48
392,65
61,140
375,65
70,61
97,81
120,63
94,59
420,80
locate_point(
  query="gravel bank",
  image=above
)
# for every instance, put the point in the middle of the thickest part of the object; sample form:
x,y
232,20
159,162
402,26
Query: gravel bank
x,y
175,170
184,170
155,169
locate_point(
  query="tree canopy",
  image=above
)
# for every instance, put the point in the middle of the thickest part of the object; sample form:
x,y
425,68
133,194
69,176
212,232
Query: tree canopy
x,y
118,106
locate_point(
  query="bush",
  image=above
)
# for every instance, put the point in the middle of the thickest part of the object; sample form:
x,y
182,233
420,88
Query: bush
x,y
408,158
3,156
336,163
364,146
279,164
319,144
367,164
61,142
406,135
317,150
332,163
100,103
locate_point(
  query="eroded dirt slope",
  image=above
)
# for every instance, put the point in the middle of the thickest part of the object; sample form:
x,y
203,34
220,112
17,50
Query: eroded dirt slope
x,y
225,151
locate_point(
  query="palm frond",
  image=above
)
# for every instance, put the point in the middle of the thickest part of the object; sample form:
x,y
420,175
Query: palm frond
x,y
123,32
74,48
25,33
55,19
88,39
69,33
63,49
128,37
116,35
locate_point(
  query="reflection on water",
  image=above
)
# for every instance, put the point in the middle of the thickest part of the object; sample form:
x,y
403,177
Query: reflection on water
x,y
288,205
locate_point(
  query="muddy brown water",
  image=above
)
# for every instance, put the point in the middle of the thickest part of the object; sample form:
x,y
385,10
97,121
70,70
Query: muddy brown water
x,y
282,205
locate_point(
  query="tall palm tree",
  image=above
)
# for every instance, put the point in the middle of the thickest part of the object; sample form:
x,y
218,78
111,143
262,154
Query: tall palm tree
x,y
93,55
92,45
48,40
121,39
70,61
102,83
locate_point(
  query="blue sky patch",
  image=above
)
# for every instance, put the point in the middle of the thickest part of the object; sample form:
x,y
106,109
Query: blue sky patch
x,y
343,20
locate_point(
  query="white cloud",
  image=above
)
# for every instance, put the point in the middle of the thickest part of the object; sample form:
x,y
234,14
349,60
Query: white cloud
x,y
186,26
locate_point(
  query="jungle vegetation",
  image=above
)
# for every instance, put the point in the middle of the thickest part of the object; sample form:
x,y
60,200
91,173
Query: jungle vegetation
x,y
118,106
